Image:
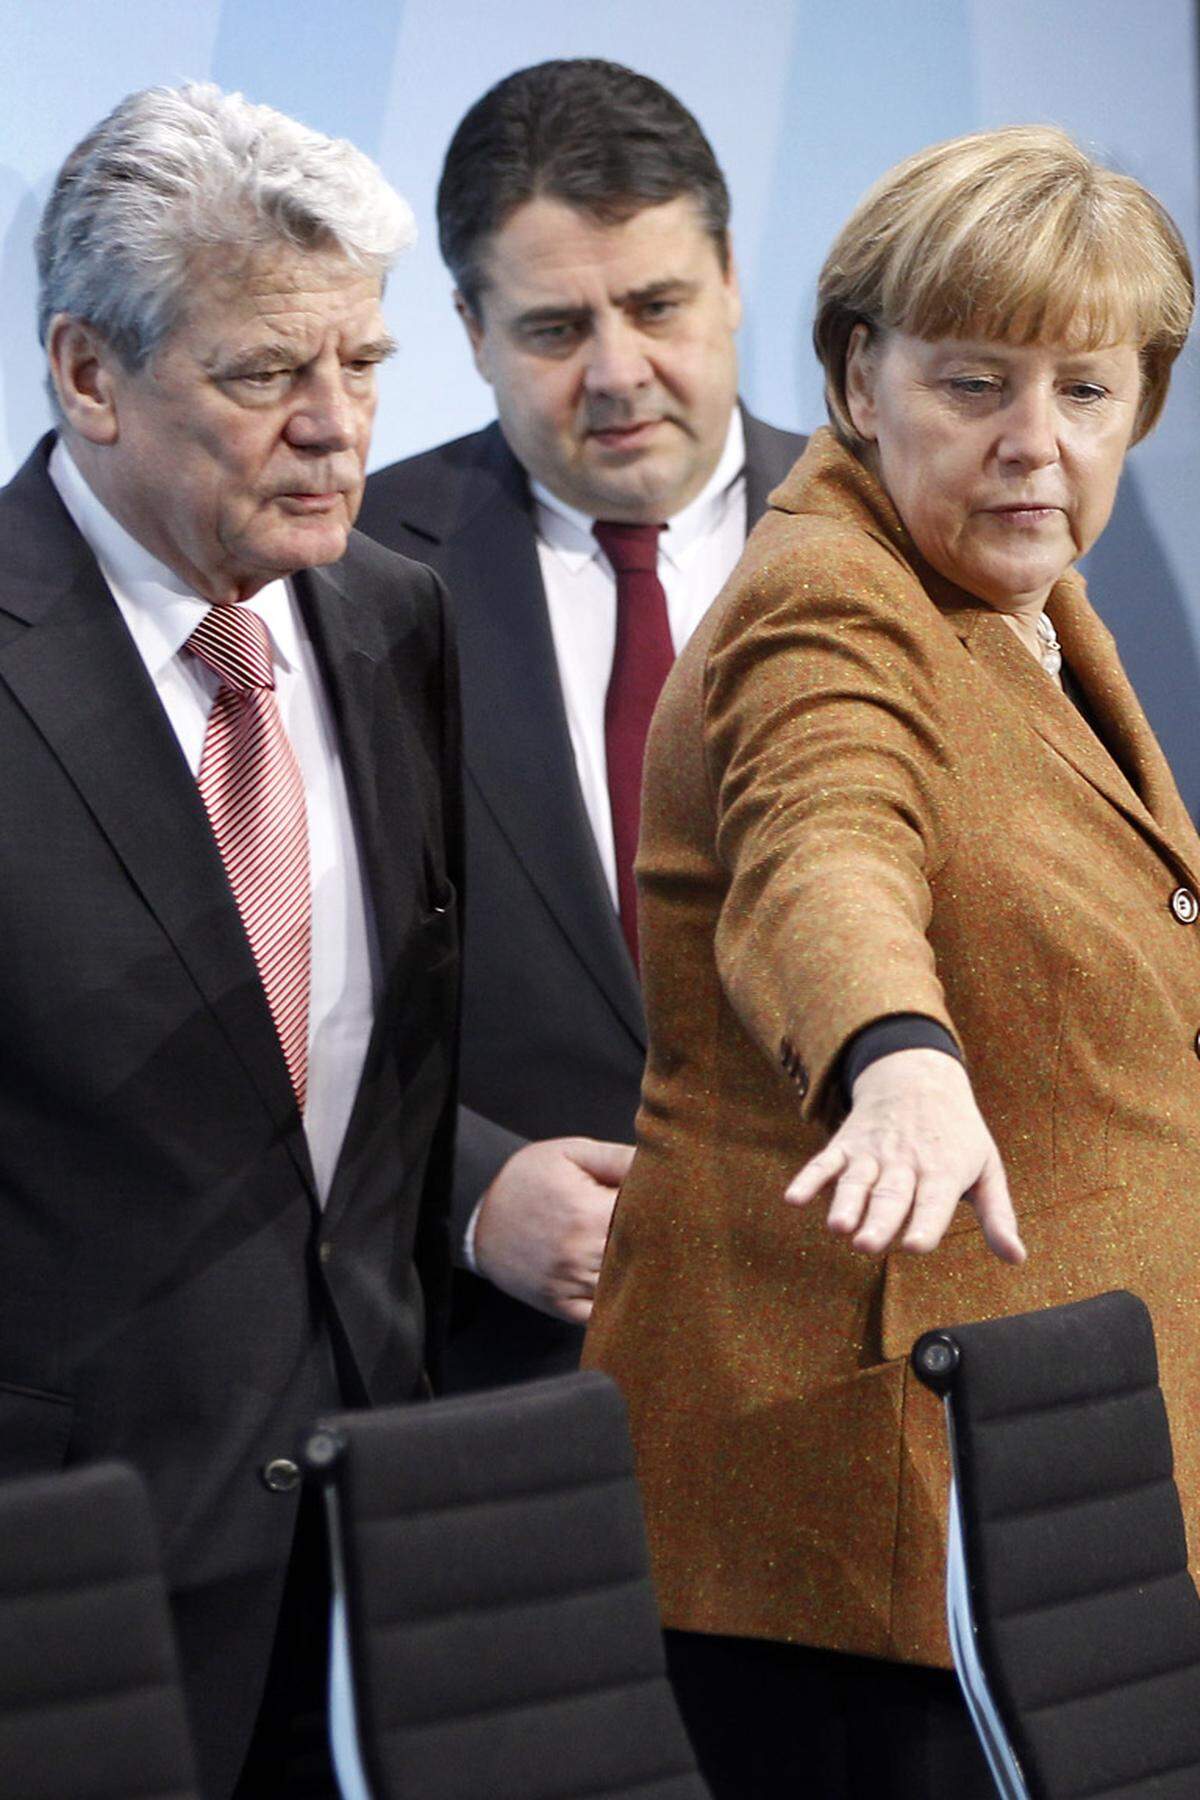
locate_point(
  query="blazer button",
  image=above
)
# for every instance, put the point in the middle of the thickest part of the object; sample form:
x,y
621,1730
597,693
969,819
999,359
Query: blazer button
x,y
1185,906
800,1077
280,1475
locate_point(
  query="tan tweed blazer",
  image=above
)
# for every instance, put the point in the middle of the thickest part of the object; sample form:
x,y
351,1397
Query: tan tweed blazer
x,y
865,797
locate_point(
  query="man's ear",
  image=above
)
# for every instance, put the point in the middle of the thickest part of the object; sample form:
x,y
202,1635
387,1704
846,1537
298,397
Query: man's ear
x,y
733,286
861,369
82,370
477,336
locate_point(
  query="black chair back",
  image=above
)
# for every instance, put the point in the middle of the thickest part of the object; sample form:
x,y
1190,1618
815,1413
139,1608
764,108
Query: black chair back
x,y
1077,1599
503,1633
90,1704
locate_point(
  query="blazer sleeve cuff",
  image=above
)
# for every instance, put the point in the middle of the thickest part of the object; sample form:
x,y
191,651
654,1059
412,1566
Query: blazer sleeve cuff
x,y
903,1031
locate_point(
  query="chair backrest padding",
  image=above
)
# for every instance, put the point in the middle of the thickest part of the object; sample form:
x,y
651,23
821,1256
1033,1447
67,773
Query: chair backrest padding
x,y
1087,1619
502,1621
90,1706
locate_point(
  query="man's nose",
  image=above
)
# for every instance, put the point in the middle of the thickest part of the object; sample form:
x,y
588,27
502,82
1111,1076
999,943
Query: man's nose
x,y
325,416
617,362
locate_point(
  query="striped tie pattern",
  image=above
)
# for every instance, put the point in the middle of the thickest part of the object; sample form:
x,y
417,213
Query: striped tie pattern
x,y
252,789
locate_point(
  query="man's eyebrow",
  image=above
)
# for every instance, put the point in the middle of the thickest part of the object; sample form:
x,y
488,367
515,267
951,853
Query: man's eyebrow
x,y
669,287
274,355
552,315
253,357
376,349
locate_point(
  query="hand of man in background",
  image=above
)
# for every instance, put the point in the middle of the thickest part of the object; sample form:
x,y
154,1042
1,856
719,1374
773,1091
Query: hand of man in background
x,y
542,1224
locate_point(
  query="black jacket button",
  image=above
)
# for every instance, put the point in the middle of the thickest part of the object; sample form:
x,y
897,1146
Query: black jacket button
x,y
280,1475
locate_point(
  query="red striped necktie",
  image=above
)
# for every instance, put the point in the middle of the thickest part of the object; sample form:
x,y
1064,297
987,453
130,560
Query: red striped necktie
x,y
252,788
642,659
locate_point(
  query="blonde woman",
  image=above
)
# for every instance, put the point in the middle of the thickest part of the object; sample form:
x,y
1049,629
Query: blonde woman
x,y
919,905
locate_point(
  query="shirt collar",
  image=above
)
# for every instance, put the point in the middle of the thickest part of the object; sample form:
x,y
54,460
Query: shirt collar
x,y
159,608
569,532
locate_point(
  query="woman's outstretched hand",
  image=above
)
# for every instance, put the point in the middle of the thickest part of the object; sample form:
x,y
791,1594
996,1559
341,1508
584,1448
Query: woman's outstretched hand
x,y
912,1146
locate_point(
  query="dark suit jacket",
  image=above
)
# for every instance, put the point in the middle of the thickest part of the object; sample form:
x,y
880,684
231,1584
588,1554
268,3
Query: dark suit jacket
x,y
553,1031
169,1291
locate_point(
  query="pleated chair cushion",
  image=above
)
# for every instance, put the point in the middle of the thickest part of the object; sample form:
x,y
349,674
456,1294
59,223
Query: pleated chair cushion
x,y
1088,1621
503,1630
90,1705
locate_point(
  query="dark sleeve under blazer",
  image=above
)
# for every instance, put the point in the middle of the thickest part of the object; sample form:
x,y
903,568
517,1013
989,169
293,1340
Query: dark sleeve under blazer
x,y
170,1292
864,797
553,1029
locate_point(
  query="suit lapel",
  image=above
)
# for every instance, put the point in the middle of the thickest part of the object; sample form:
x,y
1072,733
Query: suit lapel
x,y
769,456
516,742
516,745
76,672
382,763
1142,789
374,748
1091,654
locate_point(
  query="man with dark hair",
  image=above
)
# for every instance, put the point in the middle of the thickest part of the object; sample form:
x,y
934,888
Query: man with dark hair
x,y
584,219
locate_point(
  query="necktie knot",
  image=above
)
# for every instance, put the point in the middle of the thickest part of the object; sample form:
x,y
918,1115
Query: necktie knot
x,y
236,645
631,549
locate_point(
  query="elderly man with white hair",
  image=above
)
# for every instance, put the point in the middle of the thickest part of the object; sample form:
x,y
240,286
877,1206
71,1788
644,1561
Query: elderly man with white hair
x,y
230,829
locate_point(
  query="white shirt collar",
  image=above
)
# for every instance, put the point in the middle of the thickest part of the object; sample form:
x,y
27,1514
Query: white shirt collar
x,y
569,532
159,608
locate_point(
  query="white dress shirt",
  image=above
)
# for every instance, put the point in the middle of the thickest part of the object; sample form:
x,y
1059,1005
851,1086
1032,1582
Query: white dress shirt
x,y
696,554
161,613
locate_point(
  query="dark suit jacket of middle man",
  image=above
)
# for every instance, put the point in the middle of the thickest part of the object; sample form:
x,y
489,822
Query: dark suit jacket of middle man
x,y
554,1036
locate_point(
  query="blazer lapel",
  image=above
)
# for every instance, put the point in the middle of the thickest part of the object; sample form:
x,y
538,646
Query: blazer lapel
x,y
1091,654
1142,789
77,673
517,749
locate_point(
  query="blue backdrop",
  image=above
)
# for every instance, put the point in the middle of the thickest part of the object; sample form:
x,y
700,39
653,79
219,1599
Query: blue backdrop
x,y
806,106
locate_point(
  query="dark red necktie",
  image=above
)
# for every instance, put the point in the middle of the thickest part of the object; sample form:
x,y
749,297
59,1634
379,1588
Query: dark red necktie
x,y
641,661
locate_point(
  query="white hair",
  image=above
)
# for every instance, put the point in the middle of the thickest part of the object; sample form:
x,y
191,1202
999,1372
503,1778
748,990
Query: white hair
x,y
175,171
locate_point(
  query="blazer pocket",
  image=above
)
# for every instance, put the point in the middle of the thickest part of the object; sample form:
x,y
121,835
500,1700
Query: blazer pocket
x,y
35,1429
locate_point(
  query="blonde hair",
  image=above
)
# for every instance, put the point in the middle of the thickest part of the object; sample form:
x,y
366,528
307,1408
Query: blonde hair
x,y
1016,235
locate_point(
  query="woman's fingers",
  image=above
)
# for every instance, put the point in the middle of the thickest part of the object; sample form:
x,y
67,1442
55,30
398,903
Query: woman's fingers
x,y
912,1147
891,1200
934,1205
816,1174
997,1217
852,1194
